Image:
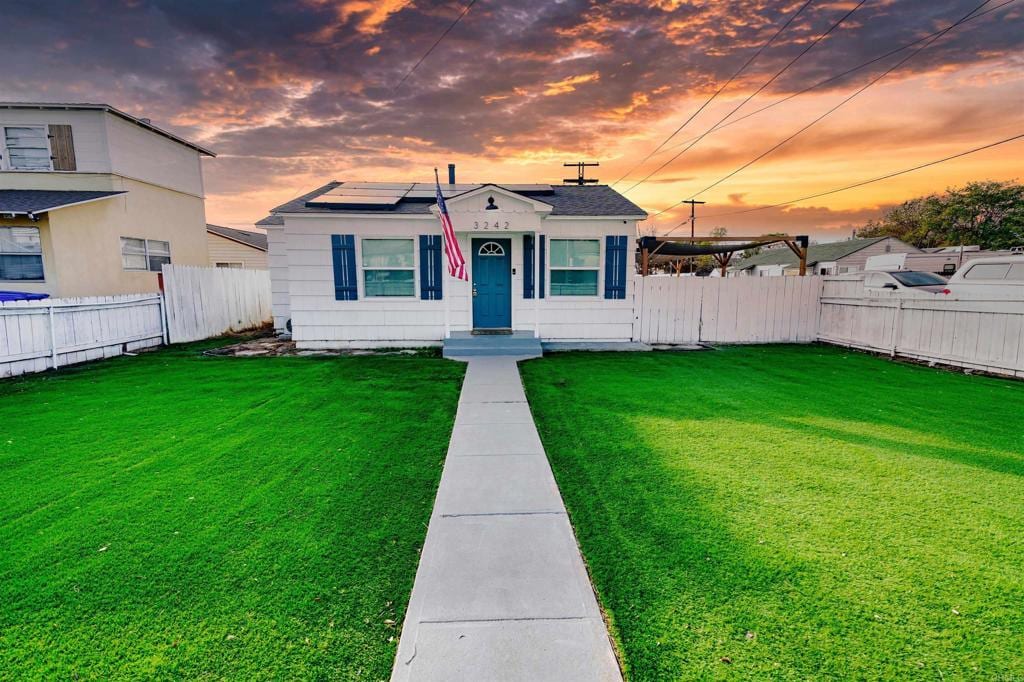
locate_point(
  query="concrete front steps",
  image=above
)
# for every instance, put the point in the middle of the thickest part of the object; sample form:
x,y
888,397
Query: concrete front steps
x,y
468,344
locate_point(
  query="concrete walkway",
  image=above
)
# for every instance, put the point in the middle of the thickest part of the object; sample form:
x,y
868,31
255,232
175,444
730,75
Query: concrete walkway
x,y
501,592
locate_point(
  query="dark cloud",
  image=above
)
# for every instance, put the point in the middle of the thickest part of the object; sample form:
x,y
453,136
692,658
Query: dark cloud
x,y
302,86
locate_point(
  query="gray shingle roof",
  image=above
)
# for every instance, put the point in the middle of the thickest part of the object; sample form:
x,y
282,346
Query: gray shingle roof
x,y
816,253
256,240
25,201
566,200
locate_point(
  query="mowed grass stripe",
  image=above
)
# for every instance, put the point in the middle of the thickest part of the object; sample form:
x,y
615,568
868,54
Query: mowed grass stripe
x,y
173,515
793,512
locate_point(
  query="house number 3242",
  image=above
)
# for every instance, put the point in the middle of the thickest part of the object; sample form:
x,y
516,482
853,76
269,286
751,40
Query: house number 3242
x,y
490,225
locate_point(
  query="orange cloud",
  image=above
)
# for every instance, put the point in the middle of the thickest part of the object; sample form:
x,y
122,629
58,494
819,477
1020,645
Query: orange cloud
x,y
569,84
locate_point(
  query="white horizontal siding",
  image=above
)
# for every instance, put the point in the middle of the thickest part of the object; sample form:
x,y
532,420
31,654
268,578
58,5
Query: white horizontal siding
x,y
320,321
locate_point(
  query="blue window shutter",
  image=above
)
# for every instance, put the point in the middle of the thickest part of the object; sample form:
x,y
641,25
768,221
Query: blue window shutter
x,y
430,267
527,266
615,266
343,250
540,266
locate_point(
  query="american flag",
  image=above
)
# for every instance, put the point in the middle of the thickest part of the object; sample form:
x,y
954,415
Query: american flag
x,y
456,263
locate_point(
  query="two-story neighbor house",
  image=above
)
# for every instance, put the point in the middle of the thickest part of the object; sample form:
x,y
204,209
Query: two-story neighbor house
x,y
93,201
362,264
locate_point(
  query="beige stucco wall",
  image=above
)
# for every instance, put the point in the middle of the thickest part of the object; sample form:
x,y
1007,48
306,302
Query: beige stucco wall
x,y
222,250
87,239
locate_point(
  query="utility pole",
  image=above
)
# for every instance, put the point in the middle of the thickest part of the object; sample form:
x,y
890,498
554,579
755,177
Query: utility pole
x,y
581,174
693,222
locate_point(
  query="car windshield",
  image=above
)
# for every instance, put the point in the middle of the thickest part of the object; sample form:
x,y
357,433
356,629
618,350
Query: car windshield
x,y
918,279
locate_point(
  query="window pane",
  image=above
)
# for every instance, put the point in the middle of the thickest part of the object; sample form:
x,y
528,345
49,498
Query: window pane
x,y
388,253
389,283
20,240
987,271
21,267
156,262
575,253
133,254
158,248
237,266
27,148
574,282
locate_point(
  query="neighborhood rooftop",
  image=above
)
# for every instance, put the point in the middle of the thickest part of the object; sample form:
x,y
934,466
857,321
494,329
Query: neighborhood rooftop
x,y
816,253
85,106
257,240
417,198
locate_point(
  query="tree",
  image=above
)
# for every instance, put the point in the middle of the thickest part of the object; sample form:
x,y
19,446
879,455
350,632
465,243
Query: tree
x,y
990,214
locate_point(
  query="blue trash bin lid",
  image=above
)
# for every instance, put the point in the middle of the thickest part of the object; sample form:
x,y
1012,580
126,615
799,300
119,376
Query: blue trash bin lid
x,y
21,296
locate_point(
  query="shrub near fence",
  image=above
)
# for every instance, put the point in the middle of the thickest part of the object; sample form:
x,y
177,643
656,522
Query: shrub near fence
x,y
39,335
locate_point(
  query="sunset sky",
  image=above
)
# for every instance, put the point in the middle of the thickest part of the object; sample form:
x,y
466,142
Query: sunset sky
x,y
293,93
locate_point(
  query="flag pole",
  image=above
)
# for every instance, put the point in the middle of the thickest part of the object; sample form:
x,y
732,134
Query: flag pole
x,y
446,295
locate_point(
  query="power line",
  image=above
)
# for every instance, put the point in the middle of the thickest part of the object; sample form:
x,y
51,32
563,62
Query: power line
x,y
426,54
839,76
771,80
717,92
844,101
866,182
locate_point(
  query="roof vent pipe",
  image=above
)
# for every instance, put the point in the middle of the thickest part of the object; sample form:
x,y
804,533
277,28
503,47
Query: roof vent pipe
x,y
451,173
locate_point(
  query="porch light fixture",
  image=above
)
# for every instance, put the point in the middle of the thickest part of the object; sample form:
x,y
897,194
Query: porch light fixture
x,y
491,206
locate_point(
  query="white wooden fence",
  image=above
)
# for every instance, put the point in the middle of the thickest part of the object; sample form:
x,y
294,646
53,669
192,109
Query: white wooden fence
x,y
38,335
205,302
671,309
984,334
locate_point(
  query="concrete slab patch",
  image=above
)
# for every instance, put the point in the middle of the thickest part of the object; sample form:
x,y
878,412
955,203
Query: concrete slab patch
x,y
501,484
494,413
494,439
505,568
555,651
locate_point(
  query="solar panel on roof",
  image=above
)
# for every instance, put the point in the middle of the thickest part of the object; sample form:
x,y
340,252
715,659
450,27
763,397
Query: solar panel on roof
x,y
529,188
352,200
397,186
352,191
445,187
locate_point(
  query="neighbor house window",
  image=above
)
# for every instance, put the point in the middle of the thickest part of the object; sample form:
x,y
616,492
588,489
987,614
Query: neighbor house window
x,y
144,254
21,254
26,148
574,266
389,267
236,265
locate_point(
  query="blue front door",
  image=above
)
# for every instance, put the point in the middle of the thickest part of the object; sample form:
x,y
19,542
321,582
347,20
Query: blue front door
x,y
492,283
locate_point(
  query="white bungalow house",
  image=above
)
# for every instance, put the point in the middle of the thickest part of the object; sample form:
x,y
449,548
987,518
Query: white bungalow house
x,y
361,264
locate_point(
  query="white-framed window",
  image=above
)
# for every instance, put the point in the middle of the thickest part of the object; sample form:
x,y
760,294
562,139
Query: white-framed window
x,y
234,264
389,267
21,254
25,147
575,265
144,254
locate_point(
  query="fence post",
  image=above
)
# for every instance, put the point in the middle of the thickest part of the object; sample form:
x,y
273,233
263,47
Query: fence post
x,y
53,337
163,313
897,327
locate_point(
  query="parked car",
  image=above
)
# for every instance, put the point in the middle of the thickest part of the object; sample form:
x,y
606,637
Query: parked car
x,y
904,280
999,277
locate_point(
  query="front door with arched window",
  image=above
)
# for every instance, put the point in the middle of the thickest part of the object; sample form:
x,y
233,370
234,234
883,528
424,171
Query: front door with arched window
x,y
492,283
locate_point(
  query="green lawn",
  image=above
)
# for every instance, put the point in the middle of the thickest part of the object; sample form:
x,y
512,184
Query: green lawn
x,y
173,516
793,512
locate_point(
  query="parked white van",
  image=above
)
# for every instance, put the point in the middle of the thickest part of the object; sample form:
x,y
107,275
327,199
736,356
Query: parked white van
x,y
996,277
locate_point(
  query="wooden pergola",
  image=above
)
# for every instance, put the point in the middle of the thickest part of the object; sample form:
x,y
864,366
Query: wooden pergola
x,y
676,249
